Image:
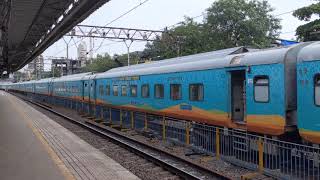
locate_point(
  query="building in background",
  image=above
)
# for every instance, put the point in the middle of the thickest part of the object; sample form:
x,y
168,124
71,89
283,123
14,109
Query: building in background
x,y
35,68
66,66
82,53
40,64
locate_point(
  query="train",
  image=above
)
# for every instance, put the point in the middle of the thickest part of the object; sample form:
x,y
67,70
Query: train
x,y
273,92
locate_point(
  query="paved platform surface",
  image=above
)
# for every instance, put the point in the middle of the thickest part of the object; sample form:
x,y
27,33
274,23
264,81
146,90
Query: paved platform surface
x,y
32,146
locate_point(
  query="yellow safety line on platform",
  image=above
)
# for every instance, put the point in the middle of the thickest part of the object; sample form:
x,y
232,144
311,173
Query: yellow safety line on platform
x,y
62,167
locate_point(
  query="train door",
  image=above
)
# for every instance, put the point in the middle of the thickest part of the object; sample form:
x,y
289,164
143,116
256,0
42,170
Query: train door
x,y
92,93
82,90
86,91
238,95
49,88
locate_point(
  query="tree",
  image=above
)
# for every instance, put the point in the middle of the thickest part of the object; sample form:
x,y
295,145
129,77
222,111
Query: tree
x,y
231,23
122,60
228,23
55,72
100,64
185,39
311,30
19,76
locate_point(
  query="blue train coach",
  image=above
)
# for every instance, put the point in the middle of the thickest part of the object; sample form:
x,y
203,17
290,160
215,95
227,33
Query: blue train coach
x,y
253,91
308,83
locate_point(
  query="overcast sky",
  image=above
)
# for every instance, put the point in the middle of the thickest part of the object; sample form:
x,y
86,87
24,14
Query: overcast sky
x,y
157,14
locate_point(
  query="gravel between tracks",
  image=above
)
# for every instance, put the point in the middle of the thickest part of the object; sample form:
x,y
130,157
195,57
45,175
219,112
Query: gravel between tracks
x,y
137,165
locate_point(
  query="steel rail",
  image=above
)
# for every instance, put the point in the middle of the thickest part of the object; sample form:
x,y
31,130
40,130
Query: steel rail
x,y
131,145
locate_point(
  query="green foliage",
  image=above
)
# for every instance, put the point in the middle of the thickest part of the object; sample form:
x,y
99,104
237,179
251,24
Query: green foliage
x,y
183,40
228,23
231,23
123,59
308,31
106,62
100,64
53,73
18,76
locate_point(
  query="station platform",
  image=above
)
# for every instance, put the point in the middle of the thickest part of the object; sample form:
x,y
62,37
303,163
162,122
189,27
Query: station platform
x,y
32,146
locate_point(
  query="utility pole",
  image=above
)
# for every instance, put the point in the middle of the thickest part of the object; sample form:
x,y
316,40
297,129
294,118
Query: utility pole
x,y
128,49
91,46
67,44
67,59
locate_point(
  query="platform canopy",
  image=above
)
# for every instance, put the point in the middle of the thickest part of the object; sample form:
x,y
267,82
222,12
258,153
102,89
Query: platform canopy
x,y
28,27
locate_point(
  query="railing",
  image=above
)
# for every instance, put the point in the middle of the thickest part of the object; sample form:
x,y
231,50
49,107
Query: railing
x,y
279,159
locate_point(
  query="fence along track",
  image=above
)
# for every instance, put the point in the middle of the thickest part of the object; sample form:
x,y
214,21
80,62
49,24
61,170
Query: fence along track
x,y
173,164
276,158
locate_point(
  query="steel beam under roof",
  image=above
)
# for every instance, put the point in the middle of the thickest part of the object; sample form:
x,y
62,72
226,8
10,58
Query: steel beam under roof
x,y
32,26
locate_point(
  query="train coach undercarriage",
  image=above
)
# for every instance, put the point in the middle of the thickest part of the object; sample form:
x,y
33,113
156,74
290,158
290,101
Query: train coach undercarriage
x,y
280,159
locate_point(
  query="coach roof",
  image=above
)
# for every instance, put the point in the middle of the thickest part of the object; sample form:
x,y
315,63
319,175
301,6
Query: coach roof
x,y
310,53
46,80
204,62
184,59
74,77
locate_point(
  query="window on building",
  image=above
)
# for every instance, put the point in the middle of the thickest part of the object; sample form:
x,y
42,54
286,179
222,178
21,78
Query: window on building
x,y
317,90
115,90
196,92
145,91
175,91
133,90
101,90
261,89
124,90
159,91
108,90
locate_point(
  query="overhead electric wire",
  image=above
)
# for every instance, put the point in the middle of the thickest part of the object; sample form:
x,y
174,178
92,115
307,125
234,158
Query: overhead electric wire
x,y
116,19
288,32
170,26
195,17
112,21
281,14
127,12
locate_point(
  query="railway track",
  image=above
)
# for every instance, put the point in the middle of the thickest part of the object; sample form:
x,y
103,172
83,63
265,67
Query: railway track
x,y
137,154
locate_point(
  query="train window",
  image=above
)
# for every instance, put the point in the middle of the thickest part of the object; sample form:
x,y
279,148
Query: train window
x,y
261,89
115,90
124,90
196,92
175,91
158,91
108,90
133,90
101,90
317,90
145,91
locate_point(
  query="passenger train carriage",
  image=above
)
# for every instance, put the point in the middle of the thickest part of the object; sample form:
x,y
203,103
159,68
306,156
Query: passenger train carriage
x,y
267,92
308,84
243,91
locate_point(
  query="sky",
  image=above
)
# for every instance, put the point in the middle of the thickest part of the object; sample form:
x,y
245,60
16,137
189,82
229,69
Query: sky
x,y
156,15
